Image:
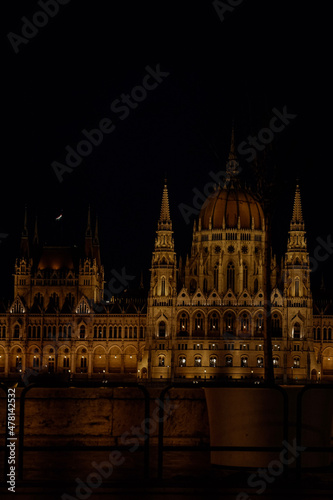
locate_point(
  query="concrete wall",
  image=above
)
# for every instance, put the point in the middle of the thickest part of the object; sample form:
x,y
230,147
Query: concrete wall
x,y
101,416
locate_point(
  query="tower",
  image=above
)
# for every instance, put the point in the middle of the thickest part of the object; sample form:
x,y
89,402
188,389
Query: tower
x,y
297,295
162,295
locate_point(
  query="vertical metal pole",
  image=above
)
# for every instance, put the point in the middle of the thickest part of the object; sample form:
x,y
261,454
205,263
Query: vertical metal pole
x,y
21,430
146,444
160,433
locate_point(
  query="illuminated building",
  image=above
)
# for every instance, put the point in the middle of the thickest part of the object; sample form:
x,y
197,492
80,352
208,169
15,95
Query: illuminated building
x,y
201,320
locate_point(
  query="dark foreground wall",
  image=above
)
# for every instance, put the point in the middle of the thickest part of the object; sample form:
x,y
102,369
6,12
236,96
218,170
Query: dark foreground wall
x,y
105,416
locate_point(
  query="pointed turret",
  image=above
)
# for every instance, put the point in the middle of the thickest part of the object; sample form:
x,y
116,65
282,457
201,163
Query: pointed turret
x,y
164,220
297,233
24,247
36,239
297,221
232,165
96,247
88,237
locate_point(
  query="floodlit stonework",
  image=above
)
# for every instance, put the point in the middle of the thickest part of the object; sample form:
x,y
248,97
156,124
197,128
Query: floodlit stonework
x,y
203,319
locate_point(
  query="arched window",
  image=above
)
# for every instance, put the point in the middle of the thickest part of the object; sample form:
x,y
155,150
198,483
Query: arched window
x,y
182,361
82,332
260,362
161,329
205,286
213,361
197,361
297,362
198,322
245,323
231,276
255,286
297,331
214,322
324,333
244,362
296,287
228,361
183,322
229,323
259,324
161,360
16,332
275,362
276,325
163,286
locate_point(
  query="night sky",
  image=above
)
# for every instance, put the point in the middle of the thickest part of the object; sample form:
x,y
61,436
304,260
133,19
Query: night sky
x,y
65,78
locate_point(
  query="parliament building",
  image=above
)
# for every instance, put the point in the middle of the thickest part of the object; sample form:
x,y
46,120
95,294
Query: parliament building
x,y
201,319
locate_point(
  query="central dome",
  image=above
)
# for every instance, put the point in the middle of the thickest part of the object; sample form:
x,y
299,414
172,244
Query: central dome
x,y
228,205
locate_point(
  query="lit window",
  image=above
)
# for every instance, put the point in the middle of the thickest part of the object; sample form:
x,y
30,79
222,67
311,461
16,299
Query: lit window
x,y
182,361
213,361
197,361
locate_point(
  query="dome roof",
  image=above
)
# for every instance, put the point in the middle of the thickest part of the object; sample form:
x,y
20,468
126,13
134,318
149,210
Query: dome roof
x,y
229,204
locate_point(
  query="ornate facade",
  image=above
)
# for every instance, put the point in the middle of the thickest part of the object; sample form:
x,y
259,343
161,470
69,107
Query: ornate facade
x,y
201,320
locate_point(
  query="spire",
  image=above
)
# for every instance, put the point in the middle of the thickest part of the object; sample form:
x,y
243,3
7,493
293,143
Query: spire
x,y
96,239
36,240
164,220
88,238
96,249
88,229
24,249
232,165
297,221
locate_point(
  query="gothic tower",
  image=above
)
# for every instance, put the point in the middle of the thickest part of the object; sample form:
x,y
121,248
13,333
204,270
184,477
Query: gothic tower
x,y
162,295
297,293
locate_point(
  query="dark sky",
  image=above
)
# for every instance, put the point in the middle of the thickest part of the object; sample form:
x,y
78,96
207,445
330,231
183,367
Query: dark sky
x,y
261,56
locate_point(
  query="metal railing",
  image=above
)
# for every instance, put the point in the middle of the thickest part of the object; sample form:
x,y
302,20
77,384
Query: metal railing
x,y
162,448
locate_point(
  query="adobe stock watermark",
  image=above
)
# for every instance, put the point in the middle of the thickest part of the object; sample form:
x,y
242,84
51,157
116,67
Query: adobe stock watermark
x,y
116,285
322,252
132,438
40,19
275,468
121,107
278,122
222,8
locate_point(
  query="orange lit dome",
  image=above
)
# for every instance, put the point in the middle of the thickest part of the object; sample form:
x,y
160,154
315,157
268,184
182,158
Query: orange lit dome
x,y
225,206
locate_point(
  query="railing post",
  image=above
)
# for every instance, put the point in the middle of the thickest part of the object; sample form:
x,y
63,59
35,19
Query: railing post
x,y
146,444
21,430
